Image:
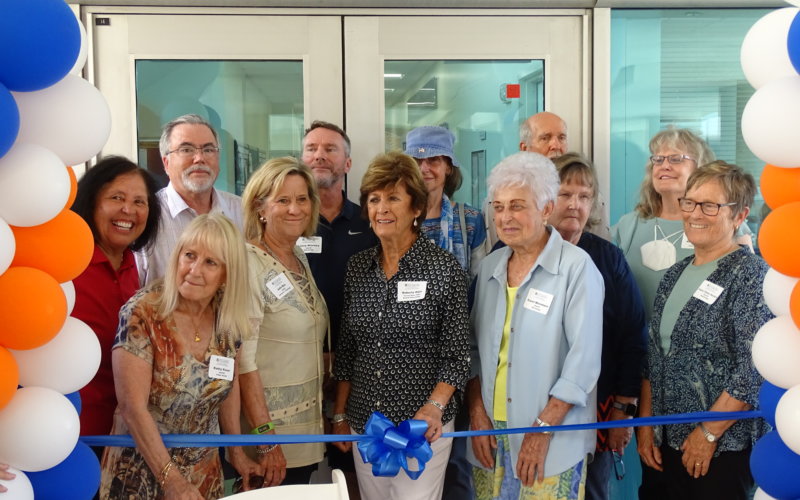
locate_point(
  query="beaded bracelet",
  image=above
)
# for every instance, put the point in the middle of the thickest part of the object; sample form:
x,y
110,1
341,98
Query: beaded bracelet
x,y
162,476
268,449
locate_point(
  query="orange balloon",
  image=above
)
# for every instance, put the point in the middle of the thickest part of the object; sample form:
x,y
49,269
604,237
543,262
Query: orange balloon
x,y
33,308
794,304
73,187
780,186
779,239
62,247
9,376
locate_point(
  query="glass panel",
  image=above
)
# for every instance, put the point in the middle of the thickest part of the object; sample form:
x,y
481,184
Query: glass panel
x,y
678,67
255,106
472,99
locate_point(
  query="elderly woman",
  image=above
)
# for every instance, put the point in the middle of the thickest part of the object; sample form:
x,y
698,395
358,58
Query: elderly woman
x,y
281,204
117,199
175,363
624,328
537,326
708,308
404,344
456,227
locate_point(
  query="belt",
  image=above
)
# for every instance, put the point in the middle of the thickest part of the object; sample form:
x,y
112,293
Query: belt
x,y
292,410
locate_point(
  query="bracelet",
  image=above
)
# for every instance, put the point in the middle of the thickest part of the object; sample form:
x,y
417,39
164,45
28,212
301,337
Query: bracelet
x,y
263,428
339,418
264,451
436,404
542,423
162,476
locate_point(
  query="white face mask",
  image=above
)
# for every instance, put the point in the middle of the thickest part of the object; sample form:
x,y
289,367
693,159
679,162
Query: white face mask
x,y
659,254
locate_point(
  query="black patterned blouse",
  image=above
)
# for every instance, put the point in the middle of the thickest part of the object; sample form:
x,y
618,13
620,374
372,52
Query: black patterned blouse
x,y
395,352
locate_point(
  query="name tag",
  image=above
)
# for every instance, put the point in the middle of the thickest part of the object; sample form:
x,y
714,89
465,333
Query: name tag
x,y
411,290
708,292
310,245
220,367
685,243
279,286
538,301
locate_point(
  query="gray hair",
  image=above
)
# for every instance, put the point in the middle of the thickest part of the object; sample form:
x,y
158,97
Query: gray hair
x,y
166,131
526,169
525,132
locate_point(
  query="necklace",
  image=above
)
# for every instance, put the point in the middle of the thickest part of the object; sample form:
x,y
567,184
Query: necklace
x,y
195,326
274,256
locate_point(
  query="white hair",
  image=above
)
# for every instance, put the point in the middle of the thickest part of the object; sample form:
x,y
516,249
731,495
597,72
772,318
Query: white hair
x,y
526,169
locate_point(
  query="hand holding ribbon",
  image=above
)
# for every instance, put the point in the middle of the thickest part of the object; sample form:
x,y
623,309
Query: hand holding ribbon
x,y
388,447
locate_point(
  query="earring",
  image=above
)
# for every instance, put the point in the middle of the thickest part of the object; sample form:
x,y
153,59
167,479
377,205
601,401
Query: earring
x,y
261,219
416,223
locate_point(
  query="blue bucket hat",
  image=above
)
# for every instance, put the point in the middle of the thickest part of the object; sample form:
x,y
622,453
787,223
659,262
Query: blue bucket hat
x,y
426,142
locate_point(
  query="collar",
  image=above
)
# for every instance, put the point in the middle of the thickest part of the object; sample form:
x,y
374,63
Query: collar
x,y
99,257
410,258
176,204
549,258
349,209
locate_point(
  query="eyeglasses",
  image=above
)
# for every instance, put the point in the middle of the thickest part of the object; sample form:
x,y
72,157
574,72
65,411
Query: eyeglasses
x,y
672,159
619,465
707,207
190,151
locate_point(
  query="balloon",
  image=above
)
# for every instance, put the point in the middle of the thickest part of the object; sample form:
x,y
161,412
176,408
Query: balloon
x,y
81,463
771,120
762,495
80,62
69,292
38,429
794,305
764,54
774,467
780,186
8,246
9,376
66,363
793,39
768,397
75,399
776,351
778,239
71,118
73,187
9,120
32,308
62,247
39,42
787,418
19,488
777,289
34,185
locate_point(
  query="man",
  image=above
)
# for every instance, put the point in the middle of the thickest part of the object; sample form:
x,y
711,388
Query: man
x,y
189,148
341,233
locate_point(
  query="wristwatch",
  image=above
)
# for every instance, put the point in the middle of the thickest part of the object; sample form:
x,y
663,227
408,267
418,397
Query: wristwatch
x,y
709,436
628,409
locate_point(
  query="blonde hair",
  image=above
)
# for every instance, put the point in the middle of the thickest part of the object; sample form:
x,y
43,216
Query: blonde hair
x,y
216,234
682,139
268,179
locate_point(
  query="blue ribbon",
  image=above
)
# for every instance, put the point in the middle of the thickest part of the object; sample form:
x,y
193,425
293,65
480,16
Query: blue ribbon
x,y
388,447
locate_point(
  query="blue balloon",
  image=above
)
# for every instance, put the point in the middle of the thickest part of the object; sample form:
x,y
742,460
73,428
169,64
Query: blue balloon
x,y
9,120
775,467
75,399
768,397
39,43
76,478
793,42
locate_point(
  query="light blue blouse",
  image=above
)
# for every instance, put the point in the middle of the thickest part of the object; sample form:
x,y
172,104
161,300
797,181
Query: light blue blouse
x,y
553,352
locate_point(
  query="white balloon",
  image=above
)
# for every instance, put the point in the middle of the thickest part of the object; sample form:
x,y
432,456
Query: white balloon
x,y
776,351
19,488
71,118
8,245
38,429
69,293
771,122
66,363
762,495
80,62
787,418
777,290
34,185
765,53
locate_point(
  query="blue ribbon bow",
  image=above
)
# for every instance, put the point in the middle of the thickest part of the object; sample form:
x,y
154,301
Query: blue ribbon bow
x,y
388,447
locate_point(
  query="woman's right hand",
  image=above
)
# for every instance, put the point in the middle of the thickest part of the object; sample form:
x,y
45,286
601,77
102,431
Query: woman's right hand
x,y
646,446
177,487
343,427
484,447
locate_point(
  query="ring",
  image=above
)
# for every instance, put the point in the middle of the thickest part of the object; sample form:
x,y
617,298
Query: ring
x,y
697,464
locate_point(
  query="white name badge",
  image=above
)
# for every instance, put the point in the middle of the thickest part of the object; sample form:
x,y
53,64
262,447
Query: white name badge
x,y
411,290
538,301
279,286
220,367
708,292
685,243
310,245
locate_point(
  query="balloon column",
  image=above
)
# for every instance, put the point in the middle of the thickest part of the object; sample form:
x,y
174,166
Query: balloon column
x,y
770,59
50,118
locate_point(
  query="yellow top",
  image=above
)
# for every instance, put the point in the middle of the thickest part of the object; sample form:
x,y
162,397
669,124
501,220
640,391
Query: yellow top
x,y
501,381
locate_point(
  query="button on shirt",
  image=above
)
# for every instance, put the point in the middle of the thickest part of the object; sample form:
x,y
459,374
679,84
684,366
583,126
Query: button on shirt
x,y
394,353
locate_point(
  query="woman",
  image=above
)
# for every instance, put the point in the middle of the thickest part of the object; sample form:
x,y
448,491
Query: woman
x,y
624,328
403,348
175,363
537,336
281,204
117,199
708,308
456,227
